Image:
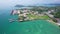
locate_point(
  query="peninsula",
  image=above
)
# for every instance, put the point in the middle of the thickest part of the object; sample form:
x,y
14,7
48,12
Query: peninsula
x,y
35,13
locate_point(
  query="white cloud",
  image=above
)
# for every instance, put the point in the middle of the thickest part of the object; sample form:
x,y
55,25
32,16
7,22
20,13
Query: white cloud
x,y
25,2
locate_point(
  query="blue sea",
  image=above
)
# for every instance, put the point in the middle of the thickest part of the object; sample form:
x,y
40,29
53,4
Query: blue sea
x,y
27,27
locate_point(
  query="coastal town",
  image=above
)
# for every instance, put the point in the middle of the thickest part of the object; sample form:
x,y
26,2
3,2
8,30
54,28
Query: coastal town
x,y
28,15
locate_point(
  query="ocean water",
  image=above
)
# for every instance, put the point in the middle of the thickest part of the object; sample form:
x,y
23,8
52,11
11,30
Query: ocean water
x,y
28,27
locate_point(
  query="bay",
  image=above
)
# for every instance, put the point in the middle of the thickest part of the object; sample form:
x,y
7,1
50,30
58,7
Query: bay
x,y
28,27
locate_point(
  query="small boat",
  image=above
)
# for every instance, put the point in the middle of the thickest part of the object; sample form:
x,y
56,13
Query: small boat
x,y
20,20
11,20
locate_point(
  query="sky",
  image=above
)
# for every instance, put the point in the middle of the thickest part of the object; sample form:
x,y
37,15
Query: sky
x,y
7,3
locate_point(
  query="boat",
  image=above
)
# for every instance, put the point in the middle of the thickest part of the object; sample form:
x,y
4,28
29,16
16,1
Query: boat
x,y
11,20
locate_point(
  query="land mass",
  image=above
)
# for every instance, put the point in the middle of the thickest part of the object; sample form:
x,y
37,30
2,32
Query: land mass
x,y
37,12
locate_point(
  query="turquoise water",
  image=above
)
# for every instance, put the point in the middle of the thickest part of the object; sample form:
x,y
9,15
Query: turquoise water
x,y
28,27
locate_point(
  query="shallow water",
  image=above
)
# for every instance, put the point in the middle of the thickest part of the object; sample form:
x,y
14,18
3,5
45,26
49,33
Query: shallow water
x,y
28,27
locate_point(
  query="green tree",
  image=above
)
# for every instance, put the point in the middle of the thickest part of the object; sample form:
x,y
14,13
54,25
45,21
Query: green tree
x,y
57,14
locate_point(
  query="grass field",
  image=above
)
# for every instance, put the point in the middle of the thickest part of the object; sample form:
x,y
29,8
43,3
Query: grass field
x,y
38,17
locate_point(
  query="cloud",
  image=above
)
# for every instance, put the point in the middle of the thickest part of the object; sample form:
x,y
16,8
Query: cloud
x,y
26,2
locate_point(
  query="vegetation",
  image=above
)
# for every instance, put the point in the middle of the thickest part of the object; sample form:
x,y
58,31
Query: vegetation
x,y
57,11
42,9
57,14
38,17
54,19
